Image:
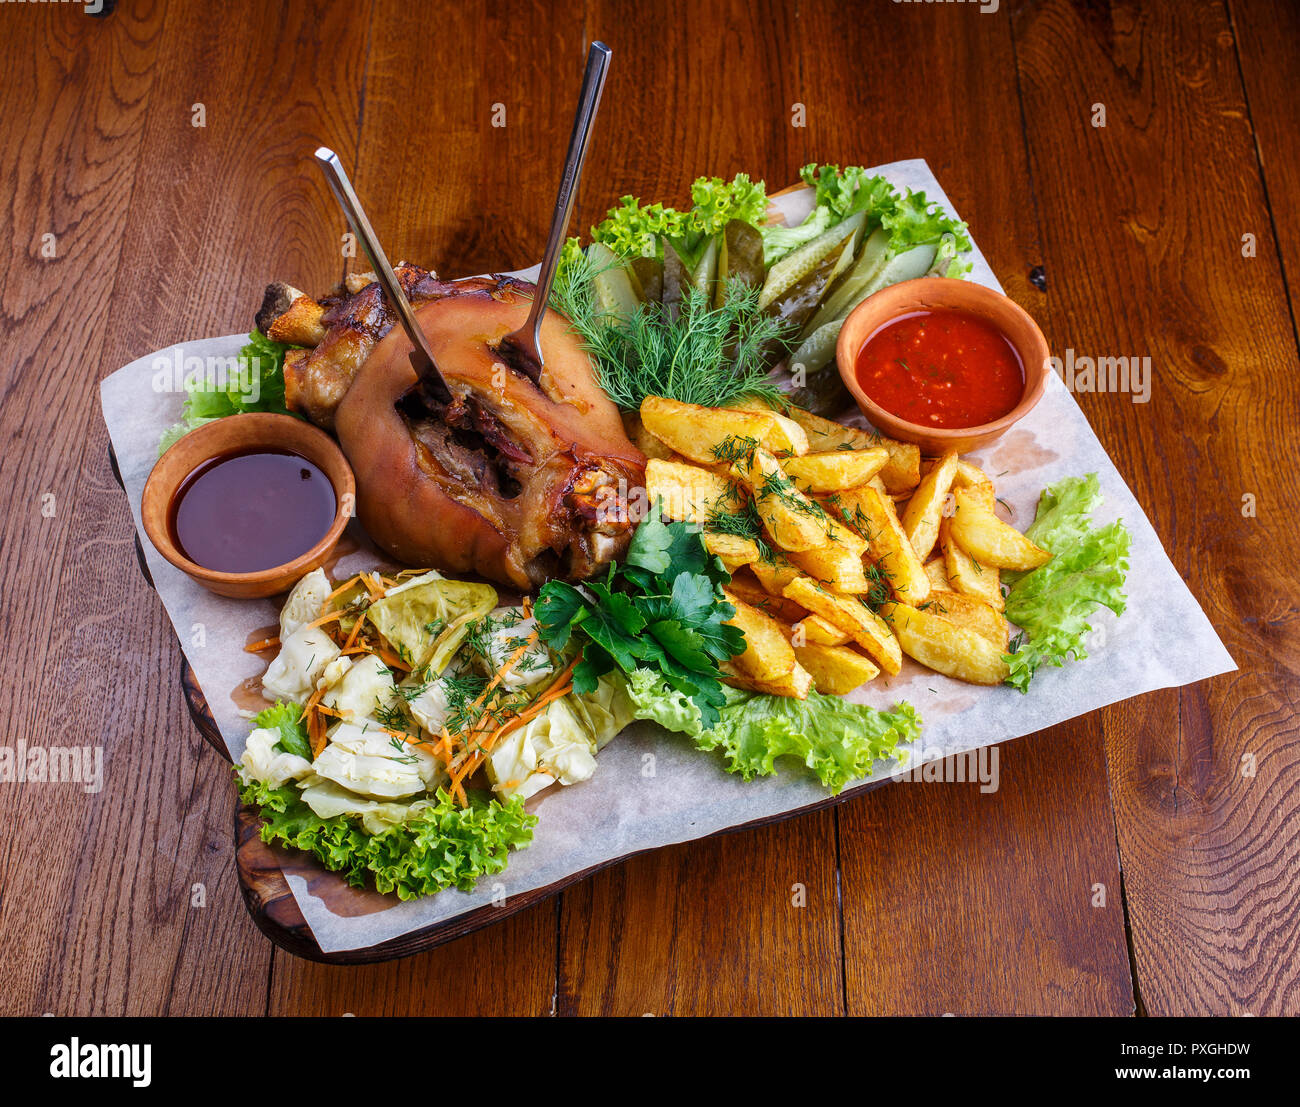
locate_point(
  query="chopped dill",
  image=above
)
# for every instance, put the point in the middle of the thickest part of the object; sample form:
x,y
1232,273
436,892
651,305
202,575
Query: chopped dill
x,y
701,355
735,447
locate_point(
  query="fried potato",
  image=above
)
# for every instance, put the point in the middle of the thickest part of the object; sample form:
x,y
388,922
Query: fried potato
x,y
775,572
735,550
836,670
707,435
837,565
744,585
934,569
925,508
795,685
688,493
966,575
967,611
858,621
793,520
900,473
988,539
815,630
945,647
872,515
829,472
644,441
768,654
970,475
797,437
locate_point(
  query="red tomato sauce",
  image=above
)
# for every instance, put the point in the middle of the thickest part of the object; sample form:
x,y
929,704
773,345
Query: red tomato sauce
x,y
941,369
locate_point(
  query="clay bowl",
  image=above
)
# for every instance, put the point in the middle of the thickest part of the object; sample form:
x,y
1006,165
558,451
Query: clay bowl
x,y
230,435
941,293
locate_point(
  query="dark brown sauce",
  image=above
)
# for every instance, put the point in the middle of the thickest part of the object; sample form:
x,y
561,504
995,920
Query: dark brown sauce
x,y
251,510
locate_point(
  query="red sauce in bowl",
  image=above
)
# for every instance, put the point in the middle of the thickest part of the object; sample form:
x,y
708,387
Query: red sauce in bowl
x,y
941,369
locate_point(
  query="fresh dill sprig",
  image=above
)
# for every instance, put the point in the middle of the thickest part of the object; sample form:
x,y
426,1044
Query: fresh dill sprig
x,y
704,355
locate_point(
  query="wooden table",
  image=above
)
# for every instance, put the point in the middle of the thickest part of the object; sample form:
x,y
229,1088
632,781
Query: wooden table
x,y
1176,812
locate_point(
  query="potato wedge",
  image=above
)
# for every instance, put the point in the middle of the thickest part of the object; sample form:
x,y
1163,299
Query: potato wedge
x,y
970,612
688,493
988,539
969,475
836,670
837,565
872,515
794,434
745,586
934,569
794,685
966,575
815,630
768,654
735,550
793,520
925,508
900,473
775,572
945,647
644,441
830,472
858,621
707,435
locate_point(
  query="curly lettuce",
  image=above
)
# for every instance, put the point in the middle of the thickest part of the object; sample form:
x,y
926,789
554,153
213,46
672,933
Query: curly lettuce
x,y
837,740
438,845
633,229
910,219
1052,604
256,385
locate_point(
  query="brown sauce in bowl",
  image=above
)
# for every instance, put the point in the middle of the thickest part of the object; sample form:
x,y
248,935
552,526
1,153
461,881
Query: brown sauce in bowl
x,y
251,510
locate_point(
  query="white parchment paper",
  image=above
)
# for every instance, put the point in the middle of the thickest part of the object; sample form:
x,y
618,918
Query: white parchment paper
x,y
1163,640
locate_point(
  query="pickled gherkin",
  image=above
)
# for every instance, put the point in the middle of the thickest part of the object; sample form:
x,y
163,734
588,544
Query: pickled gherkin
x,y
740,258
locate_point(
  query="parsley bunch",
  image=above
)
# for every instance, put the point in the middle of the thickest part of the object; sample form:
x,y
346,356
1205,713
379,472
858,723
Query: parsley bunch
x,y
662,611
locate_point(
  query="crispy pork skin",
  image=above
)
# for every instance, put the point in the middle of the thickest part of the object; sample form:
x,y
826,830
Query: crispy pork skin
x,y
513,480
340,335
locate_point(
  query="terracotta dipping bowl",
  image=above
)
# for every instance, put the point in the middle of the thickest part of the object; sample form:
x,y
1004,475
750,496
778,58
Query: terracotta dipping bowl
x,y
230,435
943,294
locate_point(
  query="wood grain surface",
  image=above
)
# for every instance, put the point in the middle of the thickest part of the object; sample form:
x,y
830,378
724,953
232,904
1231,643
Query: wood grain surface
x,y
1181,806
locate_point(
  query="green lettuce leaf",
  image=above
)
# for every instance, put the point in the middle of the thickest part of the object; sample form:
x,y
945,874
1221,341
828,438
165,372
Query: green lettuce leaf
x,y
440,845
283,716
839,741
909,217
257,385
632,229
846,192
912,220
718,202
1052,604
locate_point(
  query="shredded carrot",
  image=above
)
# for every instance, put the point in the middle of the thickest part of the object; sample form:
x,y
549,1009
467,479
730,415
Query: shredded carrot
x,y
509,664
390,659
312,701
561,687
356,630
338,592
264,644
316,734
329,617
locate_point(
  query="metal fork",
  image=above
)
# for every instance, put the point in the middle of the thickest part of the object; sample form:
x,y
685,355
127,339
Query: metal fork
x,y
432,383
525,344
